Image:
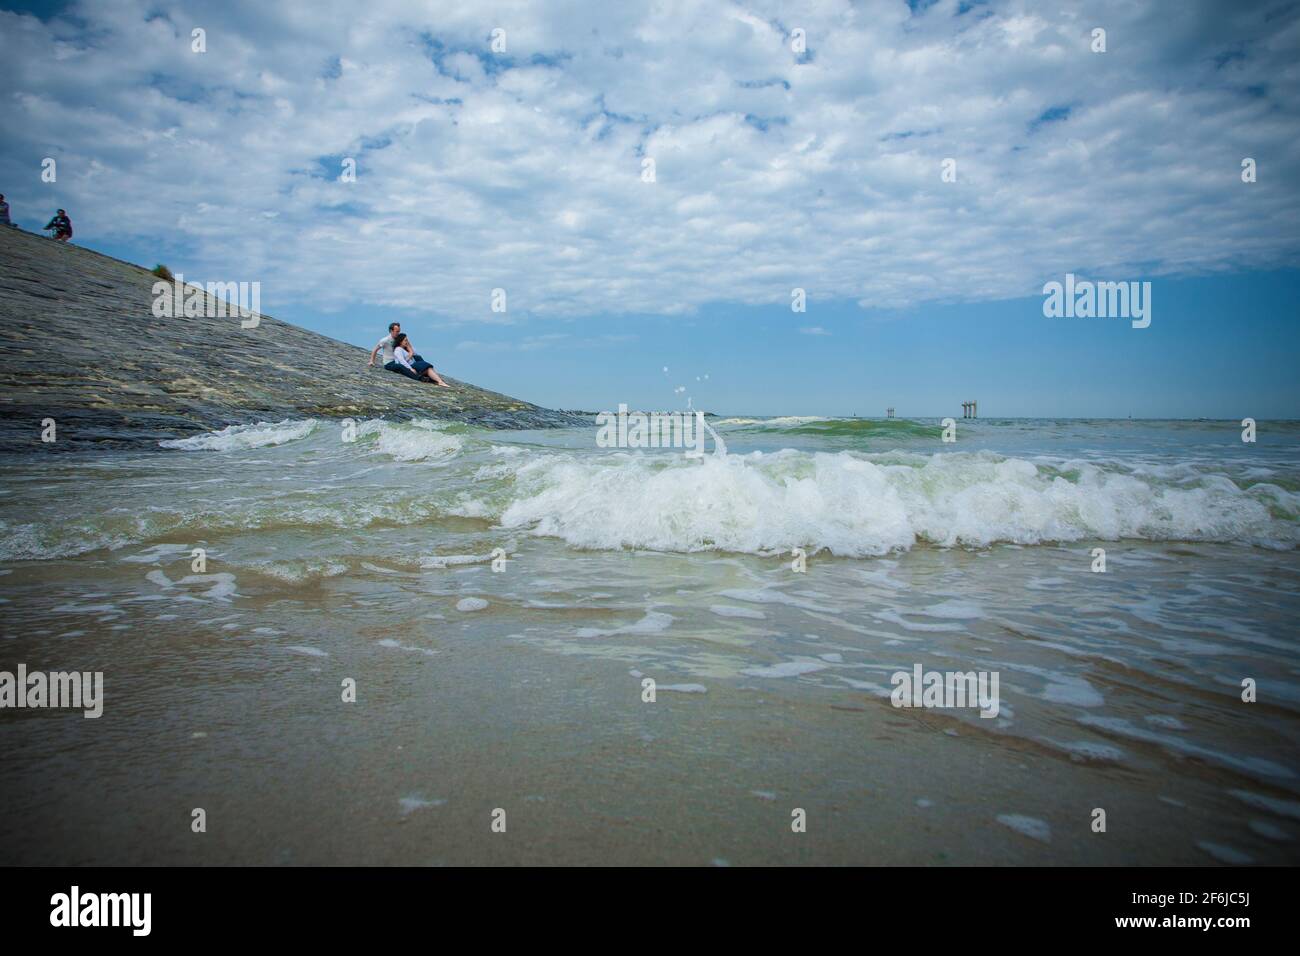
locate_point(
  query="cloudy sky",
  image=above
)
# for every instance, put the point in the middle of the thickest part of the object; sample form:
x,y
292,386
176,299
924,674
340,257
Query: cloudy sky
x,y
776,165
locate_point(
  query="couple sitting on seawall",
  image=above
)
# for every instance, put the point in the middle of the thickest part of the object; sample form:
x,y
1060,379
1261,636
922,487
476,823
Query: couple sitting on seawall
x,y
400,357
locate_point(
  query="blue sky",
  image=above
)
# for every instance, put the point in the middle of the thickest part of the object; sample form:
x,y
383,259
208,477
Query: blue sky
x,y
776,167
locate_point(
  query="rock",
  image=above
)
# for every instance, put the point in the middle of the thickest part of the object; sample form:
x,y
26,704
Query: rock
x,y
79,343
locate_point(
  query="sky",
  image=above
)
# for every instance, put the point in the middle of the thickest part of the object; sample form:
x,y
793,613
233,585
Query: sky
x,y
649,183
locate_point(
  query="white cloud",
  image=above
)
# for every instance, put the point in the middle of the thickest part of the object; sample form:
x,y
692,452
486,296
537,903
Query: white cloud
x,y
773,170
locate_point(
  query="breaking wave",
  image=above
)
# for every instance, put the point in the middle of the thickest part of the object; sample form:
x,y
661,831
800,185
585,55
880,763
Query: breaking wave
x,y
238,437
421,474
411,441
857,505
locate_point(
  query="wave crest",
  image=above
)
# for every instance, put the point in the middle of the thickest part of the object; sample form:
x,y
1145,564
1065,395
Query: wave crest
x,y
237,437
856,505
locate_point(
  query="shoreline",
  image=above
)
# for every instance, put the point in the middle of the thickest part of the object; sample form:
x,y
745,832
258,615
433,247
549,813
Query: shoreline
x,y
459,712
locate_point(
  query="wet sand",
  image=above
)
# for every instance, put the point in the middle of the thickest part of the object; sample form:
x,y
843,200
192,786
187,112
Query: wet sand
x,y
236,708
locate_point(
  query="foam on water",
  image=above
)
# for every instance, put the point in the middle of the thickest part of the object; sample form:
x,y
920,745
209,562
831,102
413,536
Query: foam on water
x,y
398,645
957,610
301,571
440,561
1031,827
849,503
1269,831
419,440
156,554
654,622
785,669
410,805
1090,750
773,596
238,437
1283,808
859,505
728,610
1254,766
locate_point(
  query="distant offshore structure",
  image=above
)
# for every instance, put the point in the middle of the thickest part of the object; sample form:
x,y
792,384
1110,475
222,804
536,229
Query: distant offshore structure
x,y
970,409
889,413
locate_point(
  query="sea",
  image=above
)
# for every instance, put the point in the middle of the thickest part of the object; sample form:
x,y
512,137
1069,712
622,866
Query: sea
x,y
416,642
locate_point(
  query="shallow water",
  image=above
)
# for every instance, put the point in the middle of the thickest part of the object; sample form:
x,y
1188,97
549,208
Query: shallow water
x,y
500,598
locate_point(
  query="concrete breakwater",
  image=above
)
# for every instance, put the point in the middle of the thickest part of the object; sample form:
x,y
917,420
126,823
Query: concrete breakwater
x,y
80,344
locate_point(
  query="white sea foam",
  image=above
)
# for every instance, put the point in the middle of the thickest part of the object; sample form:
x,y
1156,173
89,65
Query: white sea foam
x,y
87,609
439,561
1269,831
420,440
1073,690
300,571
398,645
237,437
773,596
880,690
1090,750
410,804
858,505
157,553
895,617
1255,766
1031,827
849,503
1283,808
957,610
785,669
220,586
781,422
1168,721
654,622
729,610
787,420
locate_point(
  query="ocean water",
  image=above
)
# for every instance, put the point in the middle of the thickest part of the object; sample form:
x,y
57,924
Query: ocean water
x,y
501,598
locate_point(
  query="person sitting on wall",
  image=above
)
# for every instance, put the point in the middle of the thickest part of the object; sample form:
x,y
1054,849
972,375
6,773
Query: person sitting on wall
x,y
61,225
385,345
405,362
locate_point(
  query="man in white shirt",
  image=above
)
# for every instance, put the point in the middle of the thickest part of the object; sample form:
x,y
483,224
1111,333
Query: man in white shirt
x,y
386,344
